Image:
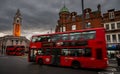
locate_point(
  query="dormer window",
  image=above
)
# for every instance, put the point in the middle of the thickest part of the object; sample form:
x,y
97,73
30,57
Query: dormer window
x,y
111,15
87,15
73,18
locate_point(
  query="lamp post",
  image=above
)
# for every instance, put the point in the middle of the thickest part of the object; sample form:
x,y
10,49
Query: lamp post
x,y
83,24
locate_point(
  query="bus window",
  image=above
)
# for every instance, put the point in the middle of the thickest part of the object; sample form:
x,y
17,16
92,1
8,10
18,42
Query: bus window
x,y
87,52
48,38
91,34
40,52
65,52
75,36
65,37
84,35
34,39
48,51
76,52
56,37
56,51
88,35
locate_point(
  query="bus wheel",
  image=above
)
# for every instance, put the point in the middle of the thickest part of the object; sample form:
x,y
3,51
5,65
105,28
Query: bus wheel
x,y
40,61
75,64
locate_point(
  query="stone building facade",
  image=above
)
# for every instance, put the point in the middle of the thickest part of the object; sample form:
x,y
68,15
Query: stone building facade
x,y
16,38
10,40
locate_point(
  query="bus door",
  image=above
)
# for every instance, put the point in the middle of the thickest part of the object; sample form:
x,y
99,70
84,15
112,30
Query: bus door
x,y
32,55
55,56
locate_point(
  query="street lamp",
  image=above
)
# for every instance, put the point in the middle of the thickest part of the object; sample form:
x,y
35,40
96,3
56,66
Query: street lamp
x,y
83,26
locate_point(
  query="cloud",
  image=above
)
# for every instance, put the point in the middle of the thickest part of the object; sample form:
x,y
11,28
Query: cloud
x,y
2,34
42,15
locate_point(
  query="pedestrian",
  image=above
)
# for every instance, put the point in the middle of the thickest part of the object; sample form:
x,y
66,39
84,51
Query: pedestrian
x,y
118,59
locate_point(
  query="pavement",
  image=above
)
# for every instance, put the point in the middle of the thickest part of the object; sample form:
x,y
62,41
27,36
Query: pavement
x,y
113,68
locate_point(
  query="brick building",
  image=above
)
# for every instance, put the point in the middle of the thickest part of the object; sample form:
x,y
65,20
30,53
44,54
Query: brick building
x,y
72,21
93,19
111,22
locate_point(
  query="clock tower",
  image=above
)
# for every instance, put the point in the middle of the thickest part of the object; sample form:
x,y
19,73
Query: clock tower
x,y
17,24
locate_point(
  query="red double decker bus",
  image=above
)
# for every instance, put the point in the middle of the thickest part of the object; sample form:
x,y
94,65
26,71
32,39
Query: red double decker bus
x,y
16,50
78,48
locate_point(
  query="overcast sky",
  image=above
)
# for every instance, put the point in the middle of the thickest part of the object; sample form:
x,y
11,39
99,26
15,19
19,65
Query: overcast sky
x,y
39,16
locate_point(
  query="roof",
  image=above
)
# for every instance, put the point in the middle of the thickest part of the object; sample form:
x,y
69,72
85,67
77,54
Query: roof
x,y
64,9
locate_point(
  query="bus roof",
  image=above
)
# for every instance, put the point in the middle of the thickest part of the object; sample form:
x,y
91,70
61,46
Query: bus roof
x,y
88,29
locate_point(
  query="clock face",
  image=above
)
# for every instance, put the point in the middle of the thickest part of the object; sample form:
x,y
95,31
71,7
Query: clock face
x,y
18,20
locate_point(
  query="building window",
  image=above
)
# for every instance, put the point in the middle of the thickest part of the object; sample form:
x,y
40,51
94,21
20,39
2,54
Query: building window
x,y
88,25
108,38
16,42
60,29
119,37
113,26
107,27
73,27
114,38
12,42
111,15
118,25
64,29
87,15
73,18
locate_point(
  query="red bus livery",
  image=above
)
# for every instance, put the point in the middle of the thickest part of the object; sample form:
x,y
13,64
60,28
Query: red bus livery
x,y
15,50
79,48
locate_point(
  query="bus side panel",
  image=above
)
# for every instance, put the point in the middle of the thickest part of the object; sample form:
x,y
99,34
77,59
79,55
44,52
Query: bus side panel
x,y
46,59
35,45
65,61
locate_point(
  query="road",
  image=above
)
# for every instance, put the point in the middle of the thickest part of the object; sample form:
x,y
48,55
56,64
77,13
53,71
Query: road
x,y
20,65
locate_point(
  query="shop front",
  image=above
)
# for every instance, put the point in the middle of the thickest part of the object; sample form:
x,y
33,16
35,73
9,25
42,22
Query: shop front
x,y
112,50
